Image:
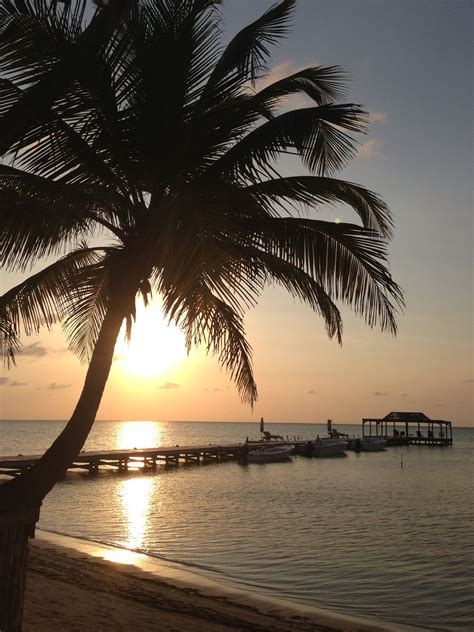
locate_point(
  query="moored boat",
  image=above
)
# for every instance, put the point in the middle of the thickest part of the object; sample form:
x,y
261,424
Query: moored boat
x,y
368,444
324,447
270,453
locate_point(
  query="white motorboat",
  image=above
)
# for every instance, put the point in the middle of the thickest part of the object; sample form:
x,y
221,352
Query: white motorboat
x,y
373,444
369,444
325,447
270,453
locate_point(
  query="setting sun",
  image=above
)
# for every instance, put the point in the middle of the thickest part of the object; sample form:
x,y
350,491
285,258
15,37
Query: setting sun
x,y
155,346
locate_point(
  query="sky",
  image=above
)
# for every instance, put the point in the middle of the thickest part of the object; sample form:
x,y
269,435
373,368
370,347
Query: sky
x,y
410,64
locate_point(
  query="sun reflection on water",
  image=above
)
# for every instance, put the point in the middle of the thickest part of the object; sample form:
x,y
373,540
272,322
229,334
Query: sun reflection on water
x,y
139,434
122,556
135,497
135,493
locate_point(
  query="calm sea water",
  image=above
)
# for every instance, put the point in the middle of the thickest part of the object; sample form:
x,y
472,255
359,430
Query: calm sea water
x,y
357,534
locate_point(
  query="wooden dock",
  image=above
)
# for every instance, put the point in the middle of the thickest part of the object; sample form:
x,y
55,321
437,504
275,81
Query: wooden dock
x,y
150,458
133,459
416,440
124,460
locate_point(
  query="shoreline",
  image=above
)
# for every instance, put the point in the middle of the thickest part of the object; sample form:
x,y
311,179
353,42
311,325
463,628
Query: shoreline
x,y
70,580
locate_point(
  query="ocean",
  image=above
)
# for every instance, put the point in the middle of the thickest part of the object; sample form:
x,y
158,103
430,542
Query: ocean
x,y
356,534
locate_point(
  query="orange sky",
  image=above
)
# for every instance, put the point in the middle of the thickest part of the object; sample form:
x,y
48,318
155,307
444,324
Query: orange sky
x,y
301,375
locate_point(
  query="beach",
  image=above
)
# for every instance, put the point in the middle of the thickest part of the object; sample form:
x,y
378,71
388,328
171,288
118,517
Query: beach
x,y
70,589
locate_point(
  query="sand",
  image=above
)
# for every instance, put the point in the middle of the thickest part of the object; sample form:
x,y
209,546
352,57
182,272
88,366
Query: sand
x,y
69,589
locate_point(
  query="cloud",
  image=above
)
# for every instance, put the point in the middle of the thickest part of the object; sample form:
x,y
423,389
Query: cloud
x,y
62,350
469,381
168,386
403,395
15,383
379,394
57,387
377,117
214,390
280,71
4,380
34,350
371,149
312,392
37,350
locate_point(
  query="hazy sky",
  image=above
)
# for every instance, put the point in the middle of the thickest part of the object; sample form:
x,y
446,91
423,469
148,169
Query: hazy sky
x,y
410,64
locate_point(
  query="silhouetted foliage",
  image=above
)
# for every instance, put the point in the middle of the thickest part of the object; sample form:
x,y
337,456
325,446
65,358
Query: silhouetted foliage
x,y
144,128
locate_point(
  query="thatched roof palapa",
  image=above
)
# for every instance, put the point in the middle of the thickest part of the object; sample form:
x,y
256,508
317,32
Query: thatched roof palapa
x,y
406,417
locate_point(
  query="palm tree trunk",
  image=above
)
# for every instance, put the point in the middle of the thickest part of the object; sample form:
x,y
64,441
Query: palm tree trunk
x,y
20,498
16,527
33,485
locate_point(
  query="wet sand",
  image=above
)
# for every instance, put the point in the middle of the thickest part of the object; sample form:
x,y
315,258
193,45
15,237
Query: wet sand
x,y
71,587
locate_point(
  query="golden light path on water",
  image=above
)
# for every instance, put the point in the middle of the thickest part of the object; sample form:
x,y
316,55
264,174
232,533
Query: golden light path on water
x,y
134,494
139,434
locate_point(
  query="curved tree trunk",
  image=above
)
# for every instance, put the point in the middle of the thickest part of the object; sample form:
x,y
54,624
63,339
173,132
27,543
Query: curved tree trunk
x,y
16,527
20,498
32,486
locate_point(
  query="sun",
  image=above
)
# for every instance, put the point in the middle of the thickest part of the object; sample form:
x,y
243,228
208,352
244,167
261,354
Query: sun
x,y
155,346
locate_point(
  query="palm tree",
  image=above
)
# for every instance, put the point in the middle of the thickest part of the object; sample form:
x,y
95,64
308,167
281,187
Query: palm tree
x,y
143,129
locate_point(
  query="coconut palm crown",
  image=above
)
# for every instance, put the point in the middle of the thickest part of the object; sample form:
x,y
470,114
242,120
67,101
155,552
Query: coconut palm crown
x,y
148,131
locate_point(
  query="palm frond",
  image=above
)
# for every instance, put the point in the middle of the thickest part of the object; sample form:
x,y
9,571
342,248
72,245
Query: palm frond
x,y
251,264
117,278
185,32
40,217
348,262
314,191
47,82
83,321
246,55
9,343
207,319
202,294
43,299
76,142
322,84
9,94
318,134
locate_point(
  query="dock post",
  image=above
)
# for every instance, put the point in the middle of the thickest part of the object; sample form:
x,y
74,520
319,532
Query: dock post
x,y
244,454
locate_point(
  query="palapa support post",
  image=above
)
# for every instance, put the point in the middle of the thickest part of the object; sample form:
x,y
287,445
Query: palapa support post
x,y
17,526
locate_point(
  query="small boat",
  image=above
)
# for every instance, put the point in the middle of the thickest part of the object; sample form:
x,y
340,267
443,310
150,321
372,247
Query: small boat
x,y
270,453
368,444
324,447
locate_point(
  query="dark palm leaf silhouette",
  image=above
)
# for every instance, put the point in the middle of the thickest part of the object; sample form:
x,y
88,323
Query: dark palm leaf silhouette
x,y
143,128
